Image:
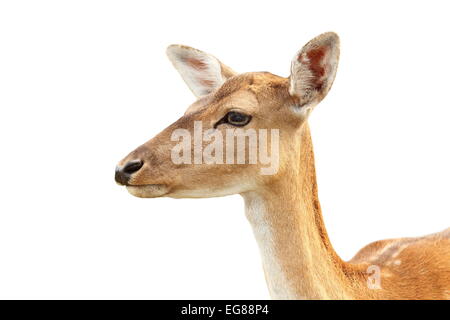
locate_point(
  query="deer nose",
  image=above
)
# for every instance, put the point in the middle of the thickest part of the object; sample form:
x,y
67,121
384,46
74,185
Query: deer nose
x,y
123,174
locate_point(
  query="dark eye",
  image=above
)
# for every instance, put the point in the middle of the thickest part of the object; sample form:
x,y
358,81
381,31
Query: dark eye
x,y
237,119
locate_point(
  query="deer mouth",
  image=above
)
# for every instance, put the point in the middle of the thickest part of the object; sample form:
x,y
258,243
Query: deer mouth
x,y
148,190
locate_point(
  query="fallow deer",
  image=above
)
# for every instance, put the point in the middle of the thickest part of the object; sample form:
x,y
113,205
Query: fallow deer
x,y
283,208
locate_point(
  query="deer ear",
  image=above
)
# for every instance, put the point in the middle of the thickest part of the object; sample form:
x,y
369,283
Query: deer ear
x,y
313,70
202,72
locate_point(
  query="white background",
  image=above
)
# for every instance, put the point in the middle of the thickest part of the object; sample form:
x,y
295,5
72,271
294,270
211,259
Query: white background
x,y
82,83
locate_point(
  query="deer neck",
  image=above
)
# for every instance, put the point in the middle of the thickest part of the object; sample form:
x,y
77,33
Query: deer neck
x,y
298,259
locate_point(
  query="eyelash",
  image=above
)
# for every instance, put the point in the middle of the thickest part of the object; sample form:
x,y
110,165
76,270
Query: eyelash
x,y
226,117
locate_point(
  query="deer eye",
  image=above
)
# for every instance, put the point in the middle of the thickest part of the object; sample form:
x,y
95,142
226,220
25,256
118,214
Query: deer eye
x,y
237,119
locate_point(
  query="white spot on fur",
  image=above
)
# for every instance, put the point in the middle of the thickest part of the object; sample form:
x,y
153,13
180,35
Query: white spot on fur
x,y
397,253
380,252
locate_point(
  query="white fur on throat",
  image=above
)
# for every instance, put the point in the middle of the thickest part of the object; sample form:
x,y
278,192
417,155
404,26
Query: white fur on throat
x,y
255,210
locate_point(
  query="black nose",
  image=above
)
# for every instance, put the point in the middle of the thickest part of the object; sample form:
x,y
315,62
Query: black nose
x,y
123,174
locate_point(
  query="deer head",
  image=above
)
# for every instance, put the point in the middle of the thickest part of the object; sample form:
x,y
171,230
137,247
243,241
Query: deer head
x,y
175,164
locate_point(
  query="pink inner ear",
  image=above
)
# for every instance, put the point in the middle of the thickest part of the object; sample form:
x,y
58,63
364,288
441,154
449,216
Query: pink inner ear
x,y
196,64
316,63
199,65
